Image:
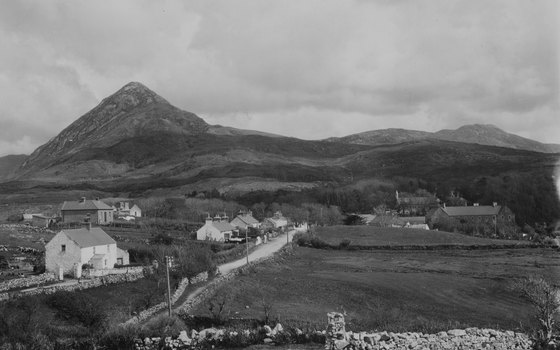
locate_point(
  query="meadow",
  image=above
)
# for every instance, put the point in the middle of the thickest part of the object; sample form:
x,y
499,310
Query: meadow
x,y
419,290
388,236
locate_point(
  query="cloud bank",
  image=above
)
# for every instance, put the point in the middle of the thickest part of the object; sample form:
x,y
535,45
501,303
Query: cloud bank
x,y
309,69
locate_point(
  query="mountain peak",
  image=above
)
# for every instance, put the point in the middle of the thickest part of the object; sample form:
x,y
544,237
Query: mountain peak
x,y
132,95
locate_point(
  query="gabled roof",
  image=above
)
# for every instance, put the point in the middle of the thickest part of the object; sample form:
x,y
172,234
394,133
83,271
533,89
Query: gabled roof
x,y
89,238
247,219
482,210
85,205
222,226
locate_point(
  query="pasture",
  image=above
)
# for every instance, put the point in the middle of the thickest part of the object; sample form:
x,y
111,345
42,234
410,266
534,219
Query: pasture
x,y
387,236
426,291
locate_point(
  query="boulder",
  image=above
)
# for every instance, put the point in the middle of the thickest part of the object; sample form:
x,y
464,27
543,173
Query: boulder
x,y
267,329
267,340
184,338
340,344
457,332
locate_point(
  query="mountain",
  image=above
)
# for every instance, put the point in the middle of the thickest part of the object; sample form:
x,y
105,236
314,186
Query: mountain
x,y
132,111
489,135
9,165
135,143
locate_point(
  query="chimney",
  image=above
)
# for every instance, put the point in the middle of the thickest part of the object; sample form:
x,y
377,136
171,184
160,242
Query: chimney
x,y
217,218
96,198
444,205
475,205
494,204
82,200
208,218
88,226
224,218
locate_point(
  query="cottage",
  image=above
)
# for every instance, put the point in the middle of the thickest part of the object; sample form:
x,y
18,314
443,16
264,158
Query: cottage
x,y
489,220
277,221
70,249
95,211
244,220
124,209
217,229
415,204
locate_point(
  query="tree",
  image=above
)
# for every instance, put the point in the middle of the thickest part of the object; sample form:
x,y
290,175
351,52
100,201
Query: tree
x,y
545,299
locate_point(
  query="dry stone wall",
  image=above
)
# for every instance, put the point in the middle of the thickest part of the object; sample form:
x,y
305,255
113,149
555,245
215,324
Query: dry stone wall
x,y
79,285
26,282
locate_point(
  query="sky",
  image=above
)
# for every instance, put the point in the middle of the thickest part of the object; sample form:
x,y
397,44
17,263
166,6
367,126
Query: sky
x,y
310,69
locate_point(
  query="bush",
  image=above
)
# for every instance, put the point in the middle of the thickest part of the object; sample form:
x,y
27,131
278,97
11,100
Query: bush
x,y
344,244
79,307
121,337
164,326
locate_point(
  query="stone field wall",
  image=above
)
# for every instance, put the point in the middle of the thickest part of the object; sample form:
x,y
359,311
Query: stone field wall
x,y
27,282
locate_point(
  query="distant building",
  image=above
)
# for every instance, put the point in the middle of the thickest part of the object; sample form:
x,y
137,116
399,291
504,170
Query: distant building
x,y
215,229
488,220
40,220
413,205
95,210
244,220
124,209
277,221
70,249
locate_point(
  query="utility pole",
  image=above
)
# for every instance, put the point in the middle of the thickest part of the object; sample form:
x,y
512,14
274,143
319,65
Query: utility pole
x,y
247,245
168,261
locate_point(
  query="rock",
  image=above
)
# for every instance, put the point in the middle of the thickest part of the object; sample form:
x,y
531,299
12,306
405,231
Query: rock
x,y
267,340
207,333
442,334
184,337
298,331
340,344
384,337
277,329
267,329
457,332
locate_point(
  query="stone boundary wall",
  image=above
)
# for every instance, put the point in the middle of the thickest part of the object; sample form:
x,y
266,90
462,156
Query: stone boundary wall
x,y
470,338
114,271
26,282
80,285
185,282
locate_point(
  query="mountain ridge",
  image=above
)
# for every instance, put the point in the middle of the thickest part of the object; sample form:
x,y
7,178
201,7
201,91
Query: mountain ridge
x,y
483,134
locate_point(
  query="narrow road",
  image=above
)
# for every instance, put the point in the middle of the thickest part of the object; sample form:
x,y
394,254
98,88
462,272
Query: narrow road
x,y
260,252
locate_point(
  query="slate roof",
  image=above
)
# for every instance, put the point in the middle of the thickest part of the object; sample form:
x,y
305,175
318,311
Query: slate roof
x,y
223,226
89,238
247,219
88,204
482,210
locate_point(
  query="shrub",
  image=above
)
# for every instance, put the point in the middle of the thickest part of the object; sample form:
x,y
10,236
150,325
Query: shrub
x,y
344,244
121,337
164,326
546,302
80,307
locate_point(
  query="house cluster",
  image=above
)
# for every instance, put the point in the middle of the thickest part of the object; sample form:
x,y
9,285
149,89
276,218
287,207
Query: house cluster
x,y
220,228
91,210
428,212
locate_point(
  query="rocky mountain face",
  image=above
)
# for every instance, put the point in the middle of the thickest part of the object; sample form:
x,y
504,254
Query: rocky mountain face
x,y
489,135
132,111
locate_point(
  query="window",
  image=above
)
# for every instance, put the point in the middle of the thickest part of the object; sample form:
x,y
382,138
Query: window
x,y
63,248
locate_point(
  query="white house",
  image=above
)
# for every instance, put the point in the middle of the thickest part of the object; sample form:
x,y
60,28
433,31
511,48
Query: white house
x,y
244,220
217,229
277,221
70,249
123,209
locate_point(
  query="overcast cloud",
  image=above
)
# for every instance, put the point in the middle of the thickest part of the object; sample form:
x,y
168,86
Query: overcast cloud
x,y
309,69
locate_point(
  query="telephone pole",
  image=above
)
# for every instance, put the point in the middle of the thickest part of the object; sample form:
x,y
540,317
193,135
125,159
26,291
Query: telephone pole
x,y
247,245
168,261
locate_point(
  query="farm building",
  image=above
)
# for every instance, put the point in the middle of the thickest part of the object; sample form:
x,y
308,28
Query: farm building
x,y
415,205
216,229
488,220
40,220
70,249
94,211
277,221
124,209
244,220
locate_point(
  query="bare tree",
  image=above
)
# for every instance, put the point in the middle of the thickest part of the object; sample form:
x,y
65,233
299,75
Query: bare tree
x,y
545,299
216,305
267,309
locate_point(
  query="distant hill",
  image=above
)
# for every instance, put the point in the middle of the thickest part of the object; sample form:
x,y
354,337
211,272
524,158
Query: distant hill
x,y
9,164
134,143
489,135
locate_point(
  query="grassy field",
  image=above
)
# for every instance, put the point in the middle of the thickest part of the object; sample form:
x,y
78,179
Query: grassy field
x,y
391,290
377,236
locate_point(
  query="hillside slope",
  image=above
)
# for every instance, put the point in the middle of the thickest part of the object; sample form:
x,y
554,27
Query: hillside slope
x,y
488,135
9,165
